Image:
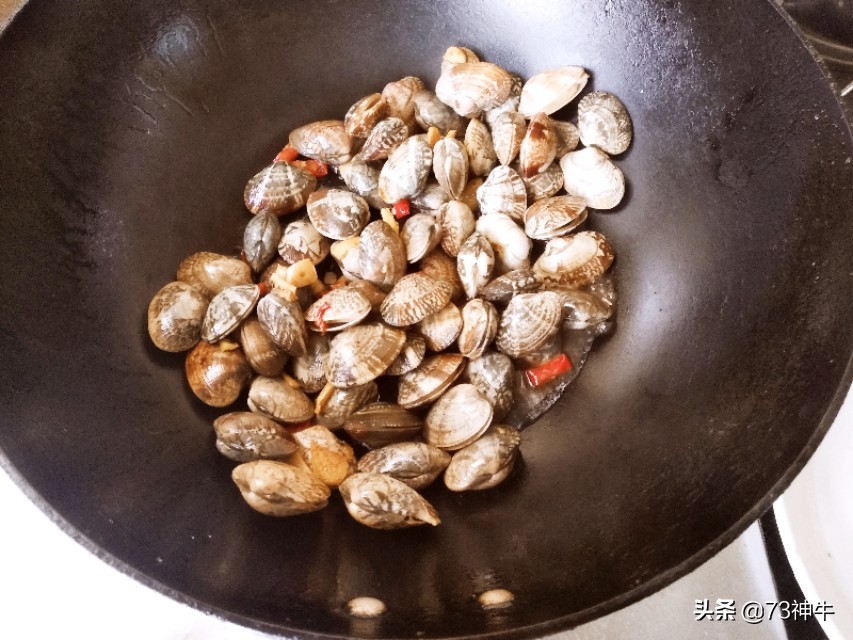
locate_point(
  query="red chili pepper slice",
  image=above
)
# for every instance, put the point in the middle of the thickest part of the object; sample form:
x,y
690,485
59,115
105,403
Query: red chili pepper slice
x,y
288,154
320,321
264,288
401,209
547,371
314,167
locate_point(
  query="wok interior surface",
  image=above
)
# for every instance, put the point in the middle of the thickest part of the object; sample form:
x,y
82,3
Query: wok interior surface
x,y
127,133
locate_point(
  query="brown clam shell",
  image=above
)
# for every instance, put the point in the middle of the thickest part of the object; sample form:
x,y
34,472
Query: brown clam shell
x,y
538,147
337,213
450,165
382,255
551,90
441,329
555,216
279,188
410,357
603,122
228,309
406,171
440,266
276,398
244,436
503,192
417,464
210,273
508,132
278,489
413,298
325,140
545,184
382,502
494,375
575,260
432,112
485,463
337,310
475,263
362,353
429,380
264,355
364,114
175,316
400,97
284,321
382,423
328,457
528,321
216,376
334,406
457,418
386,136
301,240
473,87
479,326
480,148
310,369
457,224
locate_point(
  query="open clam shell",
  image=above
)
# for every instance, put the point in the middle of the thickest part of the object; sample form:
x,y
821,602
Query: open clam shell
x,y
475,263
575,260
228,309
338,310
551,90
301,240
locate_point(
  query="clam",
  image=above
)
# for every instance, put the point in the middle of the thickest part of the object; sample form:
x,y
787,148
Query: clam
x,y
309,369
591,175
328,457
364,114
479,326
457,223
551,90
508,131
545,184
538,148
382,255
380,423
284,321
410,357
359,176
347,253
382,502
475,263
429,380
386,136
503,192
473,87
511,245
279,489
555,216
450,165
280,399
301,240
325,140
421,234
362,353
244,436
485,463
456,55
406,171
585,309
228,309
528,321
441,329
417,464
440,266
575,260
265,357
215,374
279,188
175,316
603,122
469,195
210,273
338,310
260,240
457,418
568,136
494,375
333,406
479,148
511,283
413,298
337,213
400,97
432,112
430,199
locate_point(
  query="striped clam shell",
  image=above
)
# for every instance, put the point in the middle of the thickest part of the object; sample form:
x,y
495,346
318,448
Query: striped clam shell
x,y
337,213
575,260
555,216
503,192
603,122
325,140
362,353
430,379
279,188
457,418
413,298
406,171
528,321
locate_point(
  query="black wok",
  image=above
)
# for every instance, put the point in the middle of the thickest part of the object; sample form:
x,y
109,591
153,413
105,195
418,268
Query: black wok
x,y
127,132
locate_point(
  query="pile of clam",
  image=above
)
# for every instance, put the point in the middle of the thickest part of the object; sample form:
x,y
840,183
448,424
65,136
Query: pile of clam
x,y
460,298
